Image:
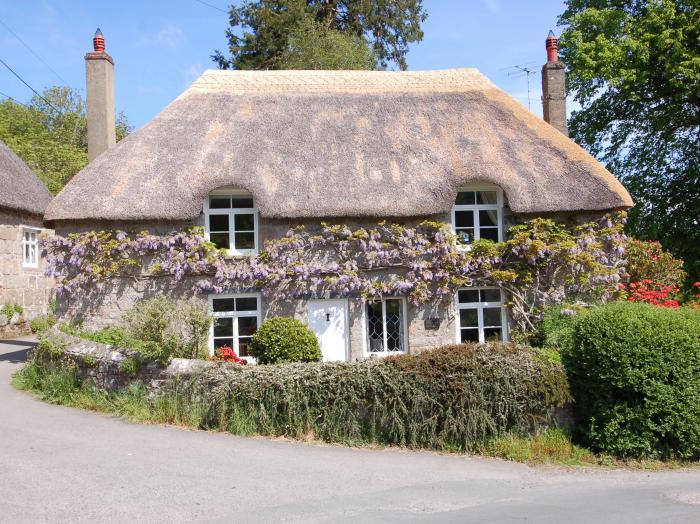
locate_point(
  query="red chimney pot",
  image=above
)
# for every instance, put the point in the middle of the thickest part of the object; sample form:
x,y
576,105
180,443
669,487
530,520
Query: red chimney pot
x,y
98,42
552,46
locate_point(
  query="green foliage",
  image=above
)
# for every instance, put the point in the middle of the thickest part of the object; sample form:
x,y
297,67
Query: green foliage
x,y
314,46
51,139
449,398
9,309
262,31
635,377
130,366
284,339
90,360
634,67
43,323
557,327
650,261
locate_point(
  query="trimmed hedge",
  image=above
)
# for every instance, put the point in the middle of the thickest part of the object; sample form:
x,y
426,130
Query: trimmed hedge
x,y
635,377
453,397
284,339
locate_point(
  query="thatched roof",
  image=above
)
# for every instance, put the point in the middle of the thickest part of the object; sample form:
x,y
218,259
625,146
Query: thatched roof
x,y
20,189
338,143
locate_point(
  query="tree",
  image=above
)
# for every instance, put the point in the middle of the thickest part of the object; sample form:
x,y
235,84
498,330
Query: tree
x,y
260,31
50,134
635,71
313,46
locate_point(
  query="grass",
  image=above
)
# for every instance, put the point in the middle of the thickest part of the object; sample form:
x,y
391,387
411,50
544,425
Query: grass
x,y
176,405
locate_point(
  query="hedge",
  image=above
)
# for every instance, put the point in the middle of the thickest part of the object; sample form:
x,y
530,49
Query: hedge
x,y
635,377
449,398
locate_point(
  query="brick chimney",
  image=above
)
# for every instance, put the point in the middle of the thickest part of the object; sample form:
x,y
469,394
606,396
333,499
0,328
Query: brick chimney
x,y
99,72
554,86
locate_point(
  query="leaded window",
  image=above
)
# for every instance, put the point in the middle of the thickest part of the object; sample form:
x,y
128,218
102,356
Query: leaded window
x,y
481,315
477,214
232,221
386,326
236,319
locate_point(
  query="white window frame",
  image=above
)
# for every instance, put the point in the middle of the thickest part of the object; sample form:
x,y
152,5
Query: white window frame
x,y
404,328
475,208
231,212
32,244
479,306
234,315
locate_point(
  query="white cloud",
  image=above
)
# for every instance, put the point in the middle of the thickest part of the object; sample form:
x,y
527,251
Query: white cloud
x,y
170,36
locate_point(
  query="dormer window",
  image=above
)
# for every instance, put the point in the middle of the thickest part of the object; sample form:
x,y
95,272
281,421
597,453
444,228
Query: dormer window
x,y
478,214
232,221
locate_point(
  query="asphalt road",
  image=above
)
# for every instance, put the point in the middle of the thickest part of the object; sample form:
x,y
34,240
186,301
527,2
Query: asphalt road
x,y
60,464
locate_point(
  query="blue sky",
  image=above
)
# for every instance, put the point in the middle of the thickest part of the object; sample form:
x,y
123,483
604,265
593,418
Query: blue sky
x,y
160,47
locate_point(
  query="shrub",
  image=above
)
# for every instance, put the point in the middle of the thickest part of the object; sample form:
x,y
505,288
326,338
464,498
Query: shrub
x,y
649,261
557,327
9,309
635,377
42,323
448,398
285,339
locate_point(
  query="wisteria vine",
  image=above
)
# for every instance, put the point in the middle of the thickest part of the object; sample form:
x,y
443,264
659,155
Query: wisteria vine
x,y
543,262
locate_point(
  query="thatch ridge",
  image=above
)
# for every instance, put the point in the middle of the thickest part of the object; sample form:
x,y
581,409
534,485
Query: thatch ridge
x,y
338,143
20,189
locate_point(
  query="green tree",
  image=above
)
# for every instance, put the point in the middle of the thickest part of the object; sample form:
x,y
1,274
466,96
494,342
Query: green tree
x,y
260,31
50,134
634,67
313,46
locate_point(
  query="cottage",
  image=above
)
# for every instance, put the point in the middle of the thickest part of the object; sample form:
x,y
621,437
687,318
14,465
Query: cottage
x,y
23,199
248,154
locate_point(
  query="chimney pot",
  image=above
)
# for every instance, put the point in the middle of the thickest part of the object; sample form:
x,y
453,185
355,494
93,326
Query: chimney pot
x,y
98,42
552,46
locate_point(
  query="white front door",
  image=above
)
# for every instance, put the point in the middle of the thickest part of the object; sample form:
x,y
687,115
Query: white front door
x,y
329,320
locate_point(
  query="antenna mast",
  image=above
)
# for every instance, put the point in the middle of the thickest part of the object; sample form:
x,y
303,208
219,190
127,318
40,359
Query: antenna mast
x,y
520,71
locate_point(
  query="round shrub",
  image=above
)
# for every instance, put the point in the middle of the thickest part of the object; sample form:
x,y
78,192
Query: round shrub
x,y
285,339
635,377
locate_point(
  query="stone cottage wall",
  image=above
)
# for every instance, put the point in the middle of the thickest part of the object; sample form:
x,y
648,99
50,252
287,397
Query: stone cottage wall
x,y
27,287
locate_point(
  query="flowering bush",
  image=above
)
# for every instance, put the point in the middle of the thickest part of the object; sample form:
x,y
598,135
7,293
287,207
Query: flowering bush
x,y
542,263
651,292
649,261
227,354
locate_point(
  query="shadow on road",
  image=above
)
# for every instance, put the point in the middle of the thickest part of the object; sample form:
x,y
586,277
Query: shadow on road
x,y
18,356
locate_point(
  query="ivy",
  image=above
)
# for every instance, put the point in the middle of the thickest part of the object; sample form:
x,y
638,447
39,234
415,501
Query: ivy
x,y
543,262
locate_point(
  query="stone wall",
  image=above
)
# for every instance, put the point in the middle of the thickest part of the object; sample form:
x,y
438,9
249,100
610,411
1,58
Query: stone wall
x,y
25,286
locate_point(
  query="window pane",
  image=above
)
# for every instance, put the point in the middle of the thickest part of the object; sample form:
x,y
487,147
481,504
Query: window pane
x,y
247,326
465,236
218,223
465,198
488,217
223,304
468,318
219,202
375,326
247,304
244,202
223,327
245,240
491,295
220,240
489,233
492,316
468,295
470,335
244,347
464,218
394,325
492,334
244,222
221,342
487,197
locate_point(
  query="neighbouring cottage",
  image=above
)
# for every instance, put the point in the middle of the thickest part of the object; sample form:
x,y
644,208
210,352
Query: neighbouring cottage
x,y
23,199
250,154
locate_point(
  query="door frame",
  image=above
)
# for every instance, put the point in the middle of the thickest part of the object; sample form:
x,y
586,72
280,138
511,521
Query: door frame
x,y
346,307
